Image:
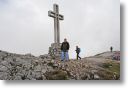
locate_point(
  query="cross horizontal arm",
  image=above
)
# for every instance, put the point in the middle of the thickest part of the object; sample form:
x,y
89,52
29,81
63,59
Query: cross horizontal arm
x,y
61,17
55,15
51,14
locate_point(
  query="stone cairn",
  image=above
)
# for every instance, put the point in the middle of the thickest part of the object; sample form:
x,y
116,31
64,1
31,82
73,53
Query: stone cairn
x,y
54,50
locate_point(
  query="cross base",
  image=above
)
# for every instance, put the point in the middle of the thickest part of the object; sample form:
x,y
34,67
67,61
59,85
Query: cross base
x,y
55,50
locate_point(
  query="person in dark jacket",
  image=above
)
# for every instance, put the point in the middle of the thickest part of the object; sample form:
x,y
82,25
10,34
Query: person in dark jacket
x,y
77,52
64,50
111,48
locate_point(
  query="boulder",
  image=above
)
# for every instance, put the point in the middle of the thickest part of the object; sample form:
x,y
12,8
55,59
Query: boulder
x,y
96,77
3,68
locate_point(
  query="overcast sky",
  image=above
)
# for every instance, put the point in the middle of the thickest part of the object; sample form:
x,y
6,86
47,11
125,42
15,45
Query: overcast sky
x,y
25,27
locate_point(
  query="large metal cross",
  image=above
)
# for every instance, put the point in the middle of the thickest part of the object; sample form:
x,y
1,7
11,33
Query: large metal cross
x,y
55,14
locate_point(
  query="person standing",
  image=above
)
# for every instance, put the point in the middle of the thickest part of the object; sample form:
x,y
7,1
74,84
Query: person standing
x,y
64,50
77,52
111,48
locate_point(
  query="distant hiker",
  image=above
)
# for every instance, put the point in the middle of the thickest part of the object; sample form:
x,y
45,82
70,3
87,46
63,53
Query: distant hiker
x,y
111,48
77,52
64,50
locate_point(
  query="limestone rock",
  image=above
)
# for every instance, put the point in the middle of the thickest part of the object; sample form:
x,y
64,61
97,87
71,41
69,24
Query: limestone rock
x,y
3,68
96,77
28,67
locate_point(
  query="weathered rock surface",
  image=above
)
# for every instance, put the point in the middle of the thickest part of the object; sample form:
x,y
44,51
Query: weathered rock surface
x,y
29,67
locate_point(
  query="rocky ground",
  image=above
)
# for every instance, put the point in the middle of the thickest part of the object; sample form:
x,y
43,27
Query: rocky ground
x,y
28,67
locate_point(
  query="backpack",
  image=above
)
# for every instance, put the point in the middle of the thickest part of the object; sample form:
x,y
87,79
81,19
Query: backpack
x,y
79,50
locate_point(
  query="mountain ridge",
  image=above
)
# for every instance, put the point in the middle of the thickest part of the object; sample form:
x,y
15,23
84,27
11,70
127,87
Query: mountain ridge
x,y
28,67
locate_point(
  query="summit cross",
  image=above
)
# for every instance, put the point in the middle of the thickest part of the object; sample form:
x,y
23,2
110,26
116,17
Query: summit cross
x,y
55,14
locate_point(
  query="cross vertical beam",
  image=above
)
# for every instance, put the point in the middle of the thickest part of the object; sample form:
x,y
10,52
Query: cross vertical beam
x,y
56,23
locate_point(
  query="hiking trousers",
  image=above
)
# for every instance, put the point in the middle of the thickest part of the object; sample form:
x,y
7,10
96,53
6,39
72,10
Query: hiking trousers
x,y
64,55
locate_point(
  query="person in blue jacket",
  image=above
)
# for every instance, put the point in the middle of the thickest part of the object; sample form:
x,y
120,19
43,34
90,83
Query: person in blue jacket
x,y
78,52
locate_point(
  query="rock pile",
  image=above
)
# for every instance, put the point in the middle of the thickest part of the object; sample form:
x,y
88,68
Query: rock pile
x,y
29,67
22,67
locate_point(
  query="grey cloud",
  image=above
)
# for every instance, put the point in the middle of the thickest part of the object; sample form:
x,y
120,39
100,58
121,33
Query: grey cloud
x,y
26,28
